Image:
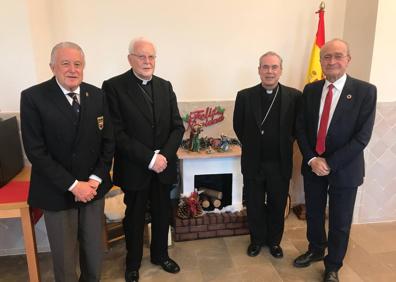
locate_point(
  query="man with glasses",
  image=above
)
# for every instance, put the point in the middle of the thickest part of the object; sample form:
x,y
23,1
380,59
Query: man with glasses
x,y
263,120
334,125
148,131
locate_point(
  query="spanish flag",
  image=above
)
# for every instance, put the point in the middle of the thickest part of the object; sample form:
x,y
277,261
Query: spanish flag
x,y
314,70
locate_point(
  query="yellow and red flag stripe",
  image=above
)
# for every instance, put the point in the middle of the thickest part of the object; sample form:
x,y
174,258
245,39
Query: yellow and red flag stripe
x,y
314,72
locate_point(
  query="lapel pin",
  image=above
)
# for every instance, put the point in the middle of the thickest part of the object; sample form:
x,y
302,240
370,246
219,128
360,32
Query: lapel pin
x,y
86,94
100,122
349,96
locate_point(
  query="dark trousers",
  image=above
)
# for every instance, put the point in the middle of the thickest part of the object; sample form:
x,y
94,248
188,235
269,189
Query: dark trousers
x,y
266,198
341,205
158,195
72,232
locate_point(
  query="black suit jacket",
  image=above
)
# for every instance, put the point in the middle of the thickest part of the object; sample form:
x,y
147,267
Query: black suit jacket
x,y
137,134
61,151
348,134
247,119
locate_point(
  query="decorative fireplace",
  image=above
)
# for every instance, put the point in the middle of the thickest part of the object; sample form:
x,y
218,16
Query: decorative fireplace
x,y
201,163
195,169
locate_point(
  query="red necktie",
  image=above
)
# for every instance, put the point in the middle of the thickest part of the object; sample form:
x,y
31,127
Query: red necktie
x,y
324,120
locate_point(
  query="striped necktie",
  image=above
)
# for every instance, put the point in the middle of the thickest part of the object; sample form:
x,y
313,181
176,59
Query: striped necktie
x,y
75,105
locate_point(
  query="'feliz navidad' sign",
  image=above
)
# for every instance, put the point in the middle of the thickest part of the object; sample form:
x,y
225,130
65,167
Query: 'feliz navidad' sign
x,y
204,117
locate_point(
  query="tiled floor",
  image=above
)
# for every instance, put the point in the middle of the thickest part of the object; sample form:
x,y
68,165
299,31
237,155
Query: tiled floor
x,y
371,257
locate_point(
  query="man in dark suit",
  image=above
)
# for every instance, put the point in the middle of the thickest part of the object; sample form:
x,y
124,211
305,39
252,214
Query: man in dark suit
x,y
148,131
68,138
334,125
263,120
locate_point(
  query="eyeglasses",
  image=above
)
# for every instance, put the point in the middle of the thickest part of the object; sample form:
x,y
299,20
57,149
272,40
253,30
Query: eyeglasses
x,y
336,57
268,67
142,58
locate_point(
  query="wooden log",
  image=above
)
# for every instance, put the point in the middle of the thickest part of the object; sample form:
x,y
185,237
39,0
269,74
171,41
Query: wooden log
x,y
205,202
216,202
211,192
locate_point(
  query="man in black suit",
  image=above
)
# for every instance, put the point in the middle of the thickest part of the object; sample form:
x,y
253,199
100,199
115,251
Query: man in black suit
x,y
68,138
334,125
263,120
148,131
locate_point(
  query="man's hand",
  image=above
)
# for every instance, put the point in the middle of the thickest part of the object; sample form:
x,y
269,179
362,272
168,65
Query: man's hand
x,y
320,167
83,192
93,183
160,164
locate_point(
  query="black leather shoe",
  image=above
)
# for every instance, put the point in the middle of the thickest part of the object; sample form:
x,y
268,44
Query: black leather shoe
x,y
132,276
168,265
331,276
306,259
276,251
253,250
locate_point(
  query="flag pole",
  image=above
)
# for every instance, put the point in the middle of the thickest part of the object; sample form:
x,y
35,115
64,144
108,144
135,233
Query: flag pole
x,y
314,72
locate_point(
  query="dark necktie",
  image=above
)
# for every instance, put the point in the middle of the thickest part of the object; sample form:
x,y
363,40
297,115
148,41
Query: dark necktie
x,y
75,104
324,120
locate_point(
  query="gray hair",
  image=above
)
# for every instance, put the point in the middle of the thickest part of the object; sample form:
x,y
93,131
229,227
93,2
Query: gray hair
x,y
65,44
271,53
136,40
336,40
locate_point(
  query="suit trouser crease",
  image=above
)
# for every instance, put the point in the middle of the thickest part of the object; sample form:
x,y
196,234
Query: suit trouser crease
x,y
74,231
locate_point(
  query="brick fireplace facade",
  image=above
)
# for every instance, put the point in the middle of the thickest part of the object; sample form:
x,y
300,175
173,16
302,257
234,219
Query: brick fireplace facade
x,y
210,226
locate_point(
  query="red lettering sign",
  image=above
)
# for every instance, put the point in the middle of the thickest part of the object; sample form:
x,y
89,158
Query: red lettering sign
x,y
204,117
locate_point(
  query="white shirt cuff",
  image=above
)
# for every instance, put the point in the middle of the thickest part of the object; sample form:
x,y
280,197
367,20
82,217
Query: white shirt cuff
x,y
151,164
97,178
309,162
73,185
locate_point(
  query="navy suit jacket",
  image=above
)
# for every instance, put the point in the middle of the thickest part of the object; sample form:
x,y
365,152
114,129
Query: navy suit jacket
x,y
247,120
61,150
140,129
348,134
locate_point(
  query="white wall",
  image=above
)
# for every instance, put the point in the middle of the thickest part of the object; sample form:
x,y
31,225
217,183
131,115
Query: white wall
x,y
359,31
208,49
17,69
384,59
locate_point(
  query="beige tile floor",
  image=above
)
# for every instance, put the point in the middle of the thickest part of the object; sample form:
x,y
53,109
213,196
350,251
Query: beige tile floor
x,y
371,257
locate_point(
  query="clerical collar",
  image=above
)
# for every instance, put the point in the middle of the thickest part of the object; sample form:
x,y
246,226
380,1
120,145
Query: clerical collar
x,y
144,81
270,91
